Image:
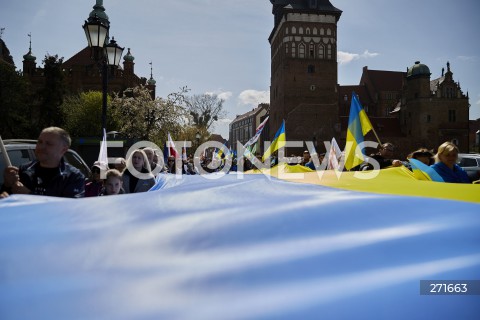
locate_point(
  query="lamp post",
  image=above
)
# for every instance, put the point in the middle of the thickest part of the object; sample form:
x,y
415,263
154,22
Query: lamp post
x,y
97,32
477,140
197,138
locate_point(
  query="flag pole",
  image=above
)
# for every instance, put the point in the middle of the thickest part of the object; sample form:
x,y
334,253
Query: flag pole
x,y
376,136
6,158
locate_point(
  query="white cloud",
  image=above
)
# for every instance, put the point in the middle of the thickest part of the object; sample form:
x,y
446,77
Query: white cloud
x,y
347,57
224,95
253,97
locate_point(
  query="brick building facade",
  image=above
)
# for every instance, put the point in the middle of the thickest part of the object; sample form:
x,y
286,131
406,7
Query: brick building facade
x,y
408,109
243,127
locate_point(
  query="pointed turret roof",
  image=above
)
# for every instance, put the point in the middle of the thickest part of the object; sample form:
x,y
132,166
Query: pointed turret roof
x,y
128,56
151,81
29,56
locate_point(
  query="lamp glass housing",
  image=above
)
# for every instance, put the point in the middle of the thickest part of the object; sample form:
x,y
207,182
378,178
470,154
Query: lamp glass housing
x,y
113,52
96,33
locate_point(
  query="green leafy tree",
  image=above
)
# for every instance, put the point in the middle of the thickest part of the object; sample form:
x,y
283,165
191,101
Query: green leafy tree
x,y
50,96
83,113
15,109
142,118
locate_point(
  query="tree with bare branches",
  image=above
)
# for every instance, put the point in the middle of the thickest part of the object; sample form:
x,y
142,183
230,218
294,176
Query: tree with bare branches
x,y
205,109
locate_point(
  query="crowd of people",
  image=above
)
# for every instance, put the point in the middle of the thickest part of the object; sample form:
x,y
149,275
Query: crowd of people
x,y
51,175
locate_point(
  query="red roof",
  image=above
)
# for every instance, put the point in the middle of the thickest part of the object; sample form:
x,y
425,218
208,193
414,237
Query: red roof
x,y
81,58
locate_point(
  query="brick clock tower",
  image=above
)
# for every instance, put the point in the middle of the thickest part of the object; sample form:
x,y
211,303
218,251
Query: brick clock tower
x,y
304,70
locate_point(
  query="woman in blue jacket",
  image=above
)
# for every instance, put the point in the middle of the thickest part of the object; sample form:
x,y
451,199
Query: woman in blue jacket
x,y
446,164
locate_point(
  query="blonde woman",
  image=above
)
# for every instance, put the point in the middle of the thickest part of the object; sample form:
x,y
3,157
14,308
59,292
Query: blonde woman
x,y
138,176
446,164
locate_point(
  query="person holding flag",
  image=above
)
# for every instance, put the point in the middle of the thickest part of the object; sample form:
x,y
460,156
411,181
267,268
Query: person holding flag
x,y
384,158
171,155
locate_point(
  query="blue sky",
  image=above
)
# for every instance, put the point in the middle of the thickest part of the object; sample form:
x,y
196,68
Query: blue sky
x,y
221,46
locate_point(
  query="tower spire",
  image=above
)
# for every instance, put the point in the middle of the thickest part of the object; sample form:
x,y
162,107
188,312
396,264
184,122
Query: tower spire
x,y
30,47
151,81
29,56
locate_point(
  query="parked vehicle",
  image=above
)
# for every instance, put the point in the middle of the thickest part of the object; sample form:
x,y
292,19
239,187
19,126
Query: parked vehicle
x,y
22,151
470,162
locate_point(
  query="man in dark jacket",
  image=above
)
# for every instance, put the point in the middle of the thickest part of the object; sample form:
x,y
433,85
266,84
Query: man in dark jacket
x,y
49,175
384,158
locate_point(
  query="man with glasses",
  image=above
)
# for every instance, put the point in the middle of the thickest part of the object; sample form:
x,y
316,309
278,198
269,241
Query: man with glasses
x,y
384,157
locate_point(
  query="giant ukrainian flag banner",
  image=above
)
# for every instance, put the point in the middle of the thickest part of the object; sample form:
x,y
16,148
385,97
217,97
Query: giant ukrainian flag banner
x,y
358,126
317,251
277,143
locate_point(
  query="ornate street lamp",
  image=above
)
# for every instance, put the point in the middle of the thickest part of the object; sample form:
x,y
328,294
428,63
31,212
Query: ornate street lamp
x,y
197,138
477,140
97,32
113,52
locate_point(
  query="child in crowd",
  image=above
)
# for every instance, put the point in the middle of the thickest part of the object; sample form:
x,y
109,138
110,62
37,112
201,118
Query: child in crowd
x,y
94,185
113,183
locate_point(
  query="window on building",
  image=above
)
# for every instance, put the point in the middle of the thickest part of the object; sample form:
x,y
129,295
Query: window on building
x,y
311,69
308,31
449,93
301,50
322,31
315,31
293,50
312,50
321,52
329,52
329,32
294,30
300,30
452,117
